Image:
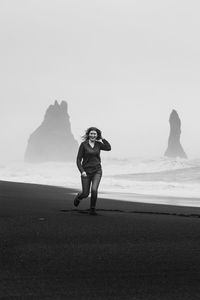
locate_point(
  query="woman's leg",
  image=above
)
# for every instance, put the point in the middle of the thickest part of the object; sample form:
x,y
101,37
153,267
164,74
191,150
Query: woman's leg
x,y
96,178
86,181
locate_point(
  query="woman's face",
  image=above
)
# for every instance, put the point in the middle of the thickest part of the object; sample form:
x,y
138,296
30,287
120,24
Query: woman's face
x,y
92,135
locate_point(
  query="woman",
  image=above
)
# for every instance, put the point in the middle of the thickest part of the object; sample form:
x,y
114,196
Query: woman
x,y
89,164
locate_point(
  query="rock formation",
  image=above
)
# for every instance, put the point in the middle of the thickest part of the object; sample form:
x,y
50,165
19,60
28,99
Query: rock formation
x,y
174,146
53,139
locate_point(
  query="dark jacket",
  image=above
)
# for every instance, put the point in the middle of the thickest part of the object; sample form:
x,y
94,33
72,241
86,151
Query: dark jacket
x,y
88,158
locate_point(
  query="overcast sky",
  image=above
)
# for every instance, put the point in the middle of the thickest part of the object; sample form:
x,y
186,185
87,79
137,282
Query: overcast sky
x,y
120,65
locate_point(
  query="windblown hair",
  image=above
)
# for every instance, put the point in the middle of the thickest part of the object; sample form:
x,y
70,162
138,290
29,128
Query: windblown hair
x,y
85,137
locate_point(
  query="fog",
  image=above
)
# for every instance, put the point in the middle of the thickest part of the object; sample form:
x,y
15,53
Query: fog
x,y
121,66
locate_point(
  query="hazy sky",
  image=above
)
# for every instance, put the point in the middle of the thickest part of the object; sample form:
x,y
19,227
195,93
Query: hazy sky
x,y
120,65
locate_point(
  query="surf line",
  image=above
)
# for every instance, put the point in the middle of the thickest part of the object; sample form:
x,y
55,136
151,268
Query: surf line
x,y
135,212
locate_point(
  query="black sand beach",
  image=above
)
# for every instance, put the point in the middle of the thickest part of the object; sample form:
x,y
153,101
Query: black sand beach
x,y
50,250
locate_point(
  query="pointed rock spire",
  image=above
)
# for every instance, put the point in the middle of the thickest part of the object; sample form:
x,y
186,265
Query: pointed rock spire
x,y
53,139
175,148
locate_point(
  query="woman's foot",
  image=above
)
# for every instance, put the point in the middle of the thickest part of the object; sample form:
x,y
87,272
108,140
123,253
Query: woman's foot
x,y
76,200
93,212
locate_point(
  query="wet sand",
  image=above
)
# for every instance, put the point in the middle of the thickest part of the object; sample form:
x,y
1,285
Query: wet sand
x,y
51,250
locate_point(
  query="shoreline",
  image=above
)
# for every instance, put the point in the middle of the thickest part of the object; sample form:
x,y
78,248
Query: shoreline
x,y
182,203
190,202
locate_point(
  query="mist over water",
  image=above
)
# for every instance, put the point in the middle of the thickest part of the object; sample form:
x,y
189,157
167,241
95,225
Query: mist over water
x,y
120,65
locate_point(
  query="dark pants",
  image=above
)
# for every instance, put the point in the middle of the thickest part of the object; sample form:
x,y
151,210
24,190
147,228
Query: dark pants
x,y
91,180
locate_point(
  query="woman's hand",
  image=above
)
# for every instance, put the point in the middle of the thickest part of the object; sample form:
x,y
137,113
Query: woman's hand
x,y
100,140
84,174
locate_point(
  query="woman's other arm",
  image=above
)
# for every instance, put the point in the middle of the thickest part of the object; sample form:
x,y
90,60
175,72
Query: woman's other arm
x,y
105,145
79,158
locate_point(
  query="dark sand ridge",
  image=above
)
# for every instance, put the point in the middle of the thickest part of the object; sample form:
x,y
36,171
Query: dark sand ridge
x,y
50,250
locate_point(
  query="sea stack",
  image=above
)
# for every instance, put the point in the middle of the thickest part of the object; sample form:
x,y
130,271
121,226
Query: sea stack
x,y
53,139
174,146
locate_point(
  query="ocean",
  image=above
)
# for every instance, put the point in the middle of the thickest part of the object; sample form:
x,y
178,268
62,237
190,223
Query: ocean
x,y
122,178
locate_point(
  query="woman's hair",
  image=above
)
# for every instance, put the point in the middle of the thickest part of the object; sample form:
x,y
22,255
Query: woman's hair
x,y
85,137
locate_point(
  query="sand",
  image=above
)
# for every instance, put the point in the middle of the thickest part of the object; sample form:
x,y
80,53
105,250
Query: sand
x,y
51,250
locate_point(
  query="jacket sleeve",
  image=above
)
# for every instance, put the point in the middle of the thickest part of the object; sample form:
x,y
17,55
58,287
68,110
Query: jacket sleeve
x,y
80,157
105,145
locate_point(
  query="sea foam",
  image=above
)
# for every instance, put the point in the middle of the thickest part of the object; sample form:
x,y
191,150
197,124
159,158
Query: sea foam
x,y
156,176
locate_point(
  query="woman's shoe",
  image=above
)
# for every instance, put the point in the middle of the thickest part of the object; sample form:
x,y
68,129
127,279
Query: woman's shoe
x,y
76,200
93,212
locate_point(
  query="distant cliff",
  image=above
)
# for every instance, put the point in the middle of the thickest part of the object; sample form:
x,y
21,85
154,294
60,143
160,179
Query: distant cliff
x,y
174,146
53,139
